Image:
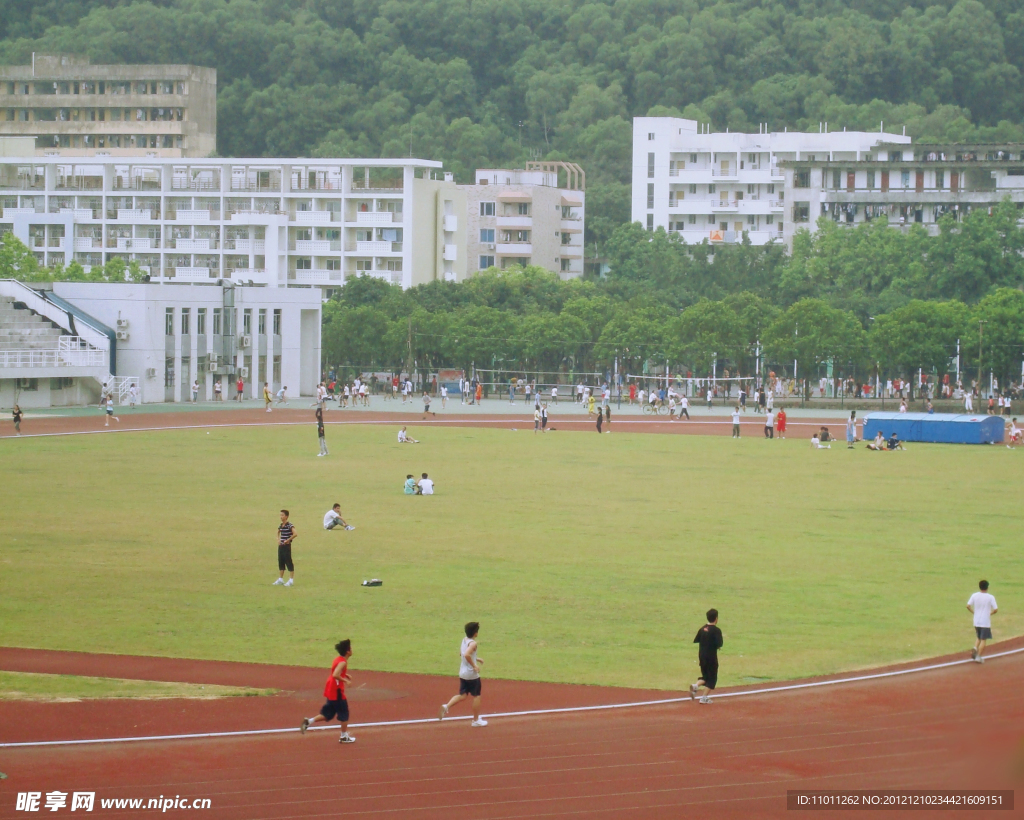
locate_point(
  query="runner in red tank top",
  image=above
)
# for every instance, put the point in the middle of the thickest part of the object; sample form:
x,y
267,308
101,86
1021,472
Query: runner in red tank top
x,y
334,690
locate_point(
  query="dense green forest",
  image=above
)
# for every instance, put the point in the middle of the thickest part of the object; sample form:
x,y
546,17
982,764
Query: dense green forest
x,y
494,82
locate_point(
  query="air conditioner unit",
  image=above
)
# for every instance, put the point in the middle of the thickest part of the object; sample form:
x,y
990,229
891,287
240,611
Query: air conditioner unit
x,y
122,323
245,341
243,372
122,335
490,246
214,359
150,372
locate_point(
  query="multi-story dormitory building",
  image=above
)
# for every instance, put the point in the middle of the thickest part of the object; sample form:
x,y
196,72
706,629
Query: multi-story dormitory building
x,y
72,108
724,187
267,221
906,184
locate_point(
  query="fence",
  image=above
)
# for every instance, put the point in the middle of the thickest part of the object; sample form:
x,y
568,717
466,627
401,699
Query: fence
x,y
71,351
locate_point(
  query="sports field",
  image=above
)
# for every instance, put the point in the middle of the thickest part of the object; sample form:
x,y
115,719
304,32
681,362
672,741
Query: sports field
x,y
587,558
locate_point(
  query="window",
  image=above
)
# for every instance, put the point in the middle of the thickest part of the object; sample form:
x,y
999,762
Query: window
x,y
895,156
216,321
711,219
263,322
751,189
693,187
711,188
650,194
802,179
771,188
169,322
303,263
333,264
905,179
871,180
940,179
768,220
692,219
837,179
247,322
751,220
486,209
487,234
524,208
693,158
277,321
27,385
486,262
566,264
201,321
186,316
650,222
650,136
801,211
364,264
650,166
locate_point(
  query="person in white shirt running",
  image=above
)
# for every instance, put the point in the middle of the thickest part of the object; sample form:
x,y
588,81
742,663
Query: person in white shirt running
x,y
554,395
425,486
983,606
444,397
405,438
282,395
333,519
469,675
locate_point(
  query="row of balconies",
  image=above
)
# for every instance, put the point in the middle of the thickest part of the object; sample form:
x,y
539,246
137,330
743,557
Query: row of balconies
x,y
746,206
695,237
702,174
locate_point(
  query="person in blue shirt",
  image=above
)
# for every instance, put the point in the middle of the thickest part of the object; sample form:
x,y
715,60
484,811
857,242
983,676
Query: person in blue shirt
x,y
410,485
894,443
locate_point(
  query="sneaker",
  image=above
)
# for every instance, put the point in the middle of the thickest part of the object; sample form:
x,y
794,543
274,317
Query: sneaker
x,y
304,725
705,699
290,582
693,691
318,455
979,660
346,738
974,653
443,713
480,722
279,582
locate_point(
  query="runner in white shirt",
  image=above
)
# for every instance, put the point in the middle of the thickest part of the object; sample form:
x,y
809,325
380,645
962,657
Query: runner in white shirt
x,y
333,519
362,395
684,408
282,397
444,397
983,606
426,486
554,395
641,395
469,675
579,392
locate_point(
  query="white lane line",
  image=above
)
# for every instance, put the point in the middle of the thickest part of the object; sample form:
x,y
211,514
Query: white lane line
x,y
527,713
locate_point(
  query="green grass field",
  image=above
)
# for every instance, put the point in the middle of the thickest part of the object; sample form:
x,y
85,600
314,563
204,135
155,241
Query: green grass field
x,y
53,688
587,558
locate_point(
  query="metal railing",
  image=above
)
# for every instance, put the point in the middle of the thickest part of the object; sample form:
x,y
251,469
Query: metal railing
x,y
71,351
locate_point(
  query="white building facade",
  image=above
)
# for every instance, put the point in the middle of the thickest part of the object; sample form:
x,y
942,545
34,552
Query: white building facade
x,y
532,216
727,187
278,223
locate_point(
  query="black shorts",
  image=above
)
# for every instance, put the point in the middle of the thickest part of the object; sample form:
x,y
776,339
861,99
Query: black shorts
x,y
469,687
709,672
984,633
335,709
284,558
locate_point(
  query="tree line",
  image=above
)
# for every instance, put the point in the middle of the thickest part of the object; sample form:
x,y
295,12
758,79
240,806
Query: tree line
x,y
483,83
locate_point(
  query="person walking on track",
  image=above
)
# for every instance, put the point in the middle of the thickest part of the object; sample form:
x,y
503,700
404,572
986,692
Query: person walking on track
x,y
709,637
334,690
982,604
469,675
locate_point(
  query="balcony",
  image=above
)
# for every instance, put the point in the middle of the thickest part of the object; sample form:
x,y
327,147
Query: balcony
x,y
183,184
189,274
194,245
777,172
725,205
55,243
314,217
127,243
370,248
246,245
776,205
450,253
81,213
377,217
451,223
9,212
731,173
316,277
136,215
514,248
202,215
88,243
317,246
515,222
576,225
245,273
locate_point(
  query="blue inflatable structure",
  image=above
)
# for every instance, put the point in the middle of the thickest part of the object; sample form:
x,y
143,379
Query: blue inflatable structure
x,y
944,428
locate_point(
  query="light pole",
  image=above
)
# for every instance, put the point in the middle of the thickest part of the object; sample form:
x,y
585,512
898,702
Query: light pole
x,y
981,333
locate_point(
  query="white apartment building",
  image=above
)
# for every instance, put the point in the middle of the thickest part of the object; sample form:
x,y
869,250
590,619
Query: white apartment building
x,y
723,187
272,222
63,344
527,217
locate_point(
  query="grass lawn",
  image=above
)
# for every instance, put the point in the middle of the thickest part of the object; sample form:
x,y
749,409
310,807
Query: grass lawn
x,y
586,558
41,687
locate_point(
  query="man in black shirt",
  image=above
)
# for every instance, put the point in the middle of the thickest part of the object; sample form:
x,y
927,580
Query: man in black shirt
x,y
709,637
285,535
320,432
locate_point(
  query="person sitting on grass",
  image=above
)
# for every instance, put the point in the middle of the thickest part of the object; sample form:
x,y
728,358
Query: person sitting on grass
x,y
333,519
894,443
823,434
817,445
405,438
410,485
424,486
878,443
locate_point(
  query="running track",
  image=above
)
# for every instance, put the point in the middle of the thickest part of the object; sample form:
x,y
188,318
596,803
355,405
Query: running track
x,y
957,727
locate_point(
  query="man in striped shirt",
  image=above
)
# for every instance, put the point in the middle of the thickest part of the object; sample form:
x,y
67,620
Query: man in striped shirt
x,y
285,535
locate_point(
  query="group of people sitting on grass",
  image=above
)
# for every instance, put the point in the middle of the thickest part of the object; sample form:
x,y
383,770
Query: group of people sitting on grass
x,y
422,487
882,443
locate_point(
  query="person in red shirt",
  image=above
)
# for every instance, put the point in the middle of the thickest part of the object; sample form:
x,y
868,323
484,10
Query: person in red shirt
x,y
780,423
240,387
334,690
632,393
